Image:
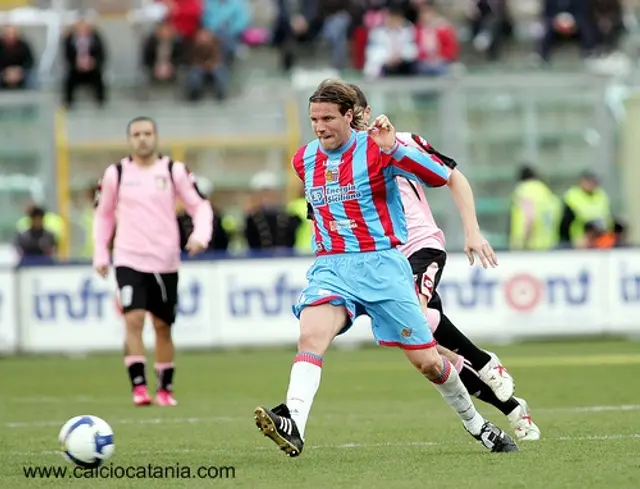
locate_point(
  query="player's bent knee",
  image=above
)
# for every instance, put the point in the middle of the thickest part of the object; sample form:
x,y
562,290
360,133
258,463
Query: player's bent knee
x,y
319,325
428,362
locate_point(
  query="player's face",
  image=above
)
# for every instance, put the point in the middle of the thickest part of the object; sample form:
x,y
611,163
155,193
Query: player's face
x,y
330,127
142,138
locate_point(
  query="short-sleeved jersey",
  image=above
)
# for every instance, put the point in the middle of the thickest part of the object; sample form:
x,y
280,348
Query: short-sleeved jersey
x,y
353,195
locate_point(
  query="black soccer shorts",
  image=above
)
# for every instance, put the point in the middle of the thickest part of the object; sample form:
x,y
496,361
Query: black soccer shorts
x,y
427,265
156,293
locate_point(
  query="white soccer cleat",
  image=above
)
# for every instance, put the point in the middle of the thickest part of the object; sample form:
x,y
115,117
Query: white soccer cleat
x,y
496,376
523,426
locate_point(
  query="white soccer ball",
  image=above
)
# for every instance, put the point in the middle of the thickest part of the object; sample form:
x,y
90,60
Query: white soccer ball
x,y
86,441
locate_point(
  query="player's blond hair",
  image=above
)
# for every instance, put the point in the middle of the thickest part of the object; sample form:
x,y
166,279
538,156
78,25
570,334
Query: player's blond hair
x,y
336,91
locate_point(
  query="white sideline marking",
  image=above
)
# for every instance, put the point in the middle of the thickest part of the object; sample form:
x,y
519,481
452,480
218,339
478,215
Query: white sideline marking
x,y
634,436
44,424
228,419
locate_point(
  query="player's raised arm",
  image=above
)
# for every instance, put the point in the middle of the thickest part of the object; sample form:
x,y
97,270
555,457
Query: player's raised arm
x,y
105,218
407,161
195,204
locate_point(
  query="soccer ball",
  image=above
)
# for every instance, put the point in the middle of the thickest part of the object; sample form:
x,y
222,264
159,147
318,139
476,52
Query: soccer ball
x,y
86,441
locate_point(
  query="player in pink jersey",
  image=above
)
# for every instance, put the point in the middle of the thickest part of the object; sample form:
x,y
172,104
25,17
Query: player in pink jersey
x,y
481,372
139,194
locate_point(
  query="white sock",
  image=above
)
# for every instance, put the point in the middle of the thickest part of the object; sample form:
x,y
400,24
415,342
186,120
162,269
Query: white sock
x,y
456,395
303,385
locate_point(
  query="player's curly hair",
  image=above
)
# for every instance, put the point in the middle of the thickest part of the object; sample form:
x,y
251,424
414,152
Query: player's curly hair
x,y
336,91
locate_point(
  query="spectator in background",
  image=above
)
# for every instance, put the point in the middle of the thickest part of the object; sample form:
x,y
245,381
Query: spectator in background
x,y
267,224
490,24
52,222
227,19
567,19
16,60
36,241
584,203
85,56
162,54
607,17
298,208
437,41
535,214
222,226
620,230
184,16
206,64
597,237
391,48
332,20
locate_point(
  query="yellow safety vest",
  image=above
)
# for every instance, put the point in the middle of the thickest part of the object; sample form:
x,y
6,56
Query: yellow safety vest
x,y
52,222
587,208
304,234
534,197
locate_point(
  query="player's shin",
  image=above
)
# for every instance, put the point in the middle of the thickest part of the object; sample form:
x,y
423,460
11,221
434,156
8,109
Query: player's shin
x,y
446,380
135,359
303,385
164,354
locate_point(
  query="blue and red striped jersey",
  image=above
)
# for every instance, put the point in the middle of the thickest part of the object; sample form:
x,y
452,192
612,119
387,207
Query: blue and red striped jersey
x,y
353,195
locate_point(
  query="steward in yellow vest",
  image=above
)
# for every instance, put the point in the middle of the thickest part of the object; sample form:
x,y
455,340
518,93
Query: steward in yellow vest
x,y
584,203
535,214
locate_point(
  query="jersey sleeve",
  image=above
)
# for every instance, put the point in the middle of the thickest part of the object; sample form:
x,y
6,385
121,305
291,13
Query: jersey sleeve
x,y
196,205
105,202
427,147
416,164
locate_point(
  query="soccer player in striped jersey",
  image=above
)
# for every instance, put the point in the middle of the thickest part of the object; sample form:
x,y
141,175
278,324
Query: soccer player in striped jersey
x,y
350,183
481,372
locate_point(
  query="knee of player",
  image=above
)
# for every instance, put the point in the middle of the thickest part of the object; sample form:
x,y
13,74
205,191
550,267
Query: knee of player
x,y
162,329
428,362
313,340
135,320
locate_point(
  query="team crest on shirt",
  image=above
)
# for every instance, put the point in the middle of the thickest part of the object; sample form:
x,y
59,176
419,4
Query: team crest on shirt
x,y
332,175
161,182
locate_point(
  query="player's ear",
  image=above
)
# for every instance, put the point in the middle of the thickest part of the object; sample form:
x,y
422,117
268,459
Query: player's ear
x,y
349,116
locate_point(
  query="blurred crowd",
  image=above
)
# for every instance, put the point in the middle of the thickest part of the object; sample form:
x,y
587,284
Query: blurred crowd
x,y
266,225
196,42
581,218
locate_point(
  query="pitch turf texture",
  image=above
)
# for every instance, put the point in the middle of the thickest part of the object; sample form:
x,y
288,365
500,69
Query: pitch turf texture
x,y
376,423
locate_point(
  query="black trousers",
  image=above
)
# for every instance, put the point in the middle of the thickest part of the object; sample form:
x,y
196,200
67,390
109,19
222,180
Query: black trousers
x,y
92,78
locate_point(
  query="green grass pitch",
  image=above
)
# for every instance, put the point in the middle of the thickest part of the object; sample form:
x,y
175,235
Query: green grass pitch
x,y
376,423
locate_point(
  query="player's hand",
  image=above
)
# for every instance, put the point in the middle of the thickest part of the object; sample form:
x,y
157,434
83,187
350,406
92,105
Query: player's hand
x,y
102,270
383,133
194,246
475,243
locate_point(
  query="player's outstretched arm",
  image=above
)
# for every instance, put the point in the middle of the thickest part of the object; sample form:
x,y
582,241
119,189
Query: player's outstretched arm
x,y
474,240
196,206
104,219
407,161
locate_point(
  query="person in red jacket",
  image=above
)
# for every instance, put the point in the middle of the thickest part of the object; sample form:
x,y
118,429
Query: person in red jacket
x,y
437,41
185,16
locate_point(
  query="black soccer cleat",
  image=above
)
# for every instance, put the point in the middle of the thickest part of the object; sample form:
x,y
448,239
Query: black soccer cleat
x,y
277,424
495,439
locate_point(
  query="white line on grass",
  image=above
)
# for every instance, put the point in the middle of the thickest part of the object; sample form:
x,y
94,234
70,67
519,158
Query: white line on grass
x,y
634,436
230,419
